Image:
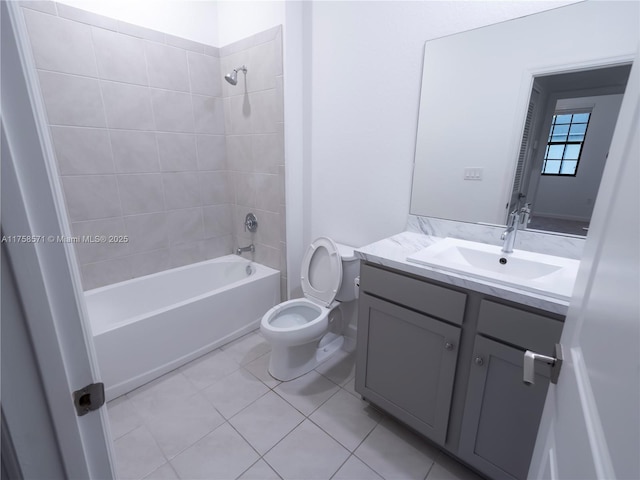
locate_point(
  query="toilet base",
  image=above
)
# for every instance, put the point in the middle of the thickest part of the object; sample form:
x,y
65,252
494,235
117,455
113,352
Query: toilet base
x,y
287,363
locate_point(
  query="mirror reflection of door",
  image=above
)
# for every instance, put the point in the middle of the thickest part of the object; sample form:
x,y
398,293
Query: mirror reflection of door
x,y
568,130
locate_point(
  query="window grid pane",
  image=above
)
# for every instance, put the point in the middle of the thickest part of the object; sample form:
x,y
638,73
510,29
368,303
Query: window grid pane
x,y
564,144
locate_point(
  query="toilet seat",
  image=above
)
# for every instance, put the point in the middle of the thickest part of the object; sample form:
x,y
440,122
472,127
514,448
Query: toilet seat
x,y
321,271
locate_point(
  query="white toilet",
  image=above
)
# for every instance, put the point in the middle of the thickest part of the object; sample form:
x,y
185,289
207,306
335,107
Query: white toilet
x,y
304,332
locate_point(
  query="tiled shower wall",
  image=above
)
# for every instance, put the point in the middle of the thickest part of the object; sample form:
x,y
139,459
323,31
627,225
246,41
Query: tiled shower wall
x,y
255,143
139,131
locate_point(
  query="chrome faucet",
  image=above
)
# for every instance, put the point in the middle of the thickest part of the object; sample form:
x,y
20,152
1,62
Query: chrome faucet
x,y
509,235
515,219
250,248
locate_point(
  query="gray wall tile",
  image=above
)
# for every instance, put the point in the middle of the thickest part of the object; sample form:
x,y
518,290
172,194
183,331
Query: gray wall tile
x,y
149,262
167,67
239,149
204,73
99,274
134,151
184,43
141,193
264,112
267,152
45,6
127,106
208,115
72,100
177,152
212,152
185,225
173,111
147,232
84,16
186,254
120,57
91,197
263,67
216,188
82,150
177,162
60,45
241,111
181,190
94,252
218,246
140,32
217,220
213,51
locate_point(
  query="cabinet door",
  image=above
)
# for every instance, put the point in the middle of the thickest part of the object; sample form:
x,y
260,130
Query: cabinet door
x,y
502,414
406,364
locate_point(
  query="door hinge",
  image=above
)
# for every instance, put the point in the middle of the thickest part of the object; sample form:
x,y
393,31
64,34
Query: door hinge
x,y
88,398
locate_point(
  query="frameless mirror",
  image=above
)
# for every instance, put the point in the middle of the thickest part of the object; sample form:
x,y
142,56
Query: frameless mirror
x,y
519,113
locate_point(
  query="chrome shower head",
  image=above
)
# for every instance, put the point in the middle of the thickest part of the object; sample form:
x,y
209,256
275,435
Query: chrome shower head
x,y
232,77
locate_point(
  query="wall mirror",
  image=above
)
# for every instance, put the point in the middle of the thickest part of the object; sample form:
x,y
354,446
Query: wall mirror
x,y
523,112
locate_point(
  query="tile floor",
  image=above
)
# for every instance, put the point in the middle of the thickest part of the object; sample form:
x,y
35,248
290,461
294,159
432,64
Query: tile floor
x,y
223,416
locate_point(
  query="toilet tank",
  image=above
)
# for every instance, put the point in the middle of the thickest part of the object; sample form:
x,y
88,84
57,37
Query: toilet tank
x,y
350,270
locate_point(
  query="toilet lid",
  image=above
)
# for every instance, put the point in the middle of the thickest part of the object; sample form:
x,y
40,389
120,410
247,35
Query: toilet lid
x,y
321,272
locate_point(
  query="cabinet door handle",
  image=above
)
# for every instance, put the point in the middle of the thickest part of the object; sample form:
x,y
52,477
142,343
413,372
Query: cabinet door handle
x,y
529,367
479,360
448,346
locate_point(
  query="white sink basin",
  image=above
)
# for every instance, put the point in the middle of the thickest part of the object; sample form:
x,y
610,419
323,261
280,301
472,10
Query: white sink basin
x,y
535,272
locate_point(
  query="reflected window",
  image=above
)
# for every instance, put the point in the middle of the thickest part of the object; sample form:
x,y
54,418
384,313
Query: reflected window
x,y
564,146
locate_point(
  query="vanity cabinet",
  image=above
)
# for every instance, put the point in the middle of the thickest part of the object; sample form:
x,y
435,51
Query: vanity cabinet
x,y
407,354
502,414
448,362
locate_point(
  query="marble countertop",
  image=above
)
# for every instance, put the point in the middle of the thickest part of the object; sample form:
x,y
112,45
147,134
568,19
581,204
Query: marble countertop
x,y
392,252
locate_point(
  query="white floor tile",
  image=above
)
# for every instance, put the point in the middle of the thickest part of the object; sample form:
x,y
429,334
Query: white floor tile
x,y
259,471
266,421
247,348
234,392
340,368
122,417
260,368
165,472
307,453
205,371
170,388
223,454
395,452
346,419
137,454
350,387
308,392
355,469
178,425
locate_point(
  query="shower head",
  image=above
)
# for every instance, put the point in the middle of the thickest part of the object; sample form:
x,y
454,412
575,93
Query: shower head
x,y
232,77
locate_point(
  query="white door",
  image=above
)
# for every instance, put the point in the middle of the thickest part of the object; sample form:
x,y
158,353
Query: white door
x,y
45,279
591,422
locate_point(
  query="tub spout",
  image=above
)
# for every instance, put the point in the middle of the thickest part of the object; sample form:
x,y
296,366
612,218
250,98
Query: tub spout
x,y
250,248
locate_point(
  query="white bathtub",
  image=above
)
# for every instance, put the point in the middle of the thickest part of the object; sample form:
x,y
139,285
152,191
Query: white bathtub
x,y
148,326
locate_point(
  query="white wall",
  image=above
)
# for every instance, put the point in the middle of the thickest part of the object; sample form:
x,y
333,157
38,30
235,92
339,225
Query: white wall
x,y
191,19
366,76
240,19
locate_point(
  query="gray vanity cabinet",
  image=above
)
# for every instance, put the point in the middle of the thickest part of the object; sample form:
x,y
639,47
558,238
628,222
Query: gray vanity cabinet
x,y
502,414
407,358
448,362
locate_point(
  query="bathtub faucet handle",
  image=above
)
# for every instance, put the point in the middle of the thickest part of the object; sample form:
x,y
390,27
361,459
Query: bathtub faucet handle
x,y
250,223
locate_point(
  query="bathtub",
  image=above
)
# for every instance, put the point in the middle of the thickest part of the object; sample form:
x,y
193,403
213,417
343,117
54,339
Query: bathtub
x,y
148,326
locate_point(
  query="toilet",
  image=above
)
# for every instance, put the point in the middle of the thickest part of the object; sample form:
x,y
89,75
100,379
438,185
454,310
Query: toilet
x,y
305,332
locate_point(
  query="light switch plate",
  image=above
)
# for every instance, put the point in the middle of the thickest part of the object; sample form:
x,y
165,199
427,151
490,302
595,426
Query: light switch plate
x,y
473,173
